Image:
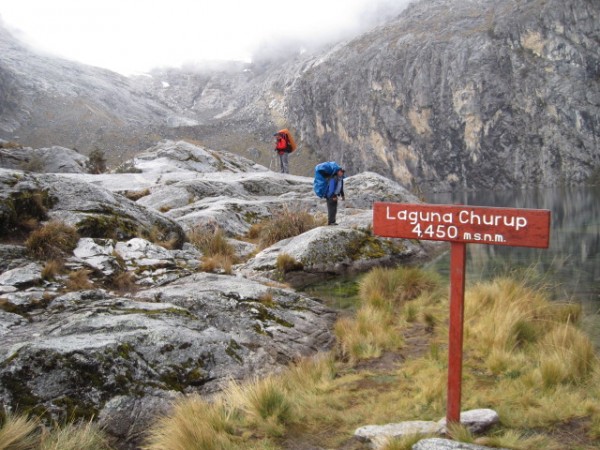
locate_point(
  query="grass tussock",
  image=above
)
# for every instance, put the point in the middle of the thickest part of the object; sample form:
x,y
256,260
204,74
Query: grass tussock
x,y
194,424
287,263
367,335
159,237
217,252
82,436
243,416
124,282
284,224
18,433
211,242
217,263
403,443
52,268
267,299
11,145
264,403
53,240
516,440
393,287
385,310
22,433
567,356
79,280
136,195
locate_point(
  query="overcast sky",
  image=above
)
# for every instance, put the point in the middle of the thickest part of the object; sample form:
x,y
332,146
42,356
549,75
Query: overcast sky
x,y
130,36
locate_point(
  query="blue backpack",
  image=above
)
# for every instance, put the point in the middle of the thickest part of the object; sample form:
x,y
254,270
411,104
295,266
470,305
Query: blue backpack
x,y
323,172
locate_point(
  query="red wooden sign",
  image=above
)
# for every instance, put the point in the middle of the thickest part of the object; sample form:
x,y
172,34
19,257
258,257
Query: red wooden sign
x,y
461,225
468,224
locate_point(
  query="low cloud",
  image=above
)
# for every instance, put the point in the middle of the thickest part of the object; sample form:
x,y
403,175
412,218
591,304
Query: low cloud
x,y
128,35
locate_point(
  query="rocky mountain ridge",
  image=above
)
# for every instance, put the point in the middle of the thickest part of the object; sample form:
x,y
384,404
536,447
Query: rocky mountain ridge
x,y
463,94
450,94
46,101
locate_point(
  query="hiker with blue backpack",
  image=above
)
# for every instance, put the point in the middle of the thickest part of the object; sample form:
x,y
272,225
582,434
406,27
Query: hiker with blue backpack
x,y
329,184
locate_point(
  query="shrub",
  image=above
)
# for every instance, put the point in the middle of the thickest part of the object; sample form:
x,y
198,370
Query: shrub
x,y
52,240
97,162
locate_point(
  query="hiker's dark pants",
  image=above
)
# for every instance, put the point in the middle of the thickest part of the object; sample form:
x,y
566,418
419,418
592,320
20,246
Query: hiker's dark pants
x,y
331,210
283,163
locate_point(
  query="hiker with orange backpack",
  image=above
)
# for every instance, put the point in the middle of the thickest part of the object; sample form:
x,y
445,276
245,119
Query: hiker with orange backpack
x,y
284,145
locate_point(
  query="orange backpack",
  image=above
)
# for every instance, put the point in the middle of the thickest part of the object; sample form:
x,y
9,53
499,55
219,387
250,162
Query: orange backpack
x,y
291,144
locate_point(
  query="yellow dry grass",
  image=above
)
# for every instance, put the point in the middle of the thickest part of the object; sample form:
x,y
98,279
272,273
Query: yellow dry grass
x,y
18,433
53,240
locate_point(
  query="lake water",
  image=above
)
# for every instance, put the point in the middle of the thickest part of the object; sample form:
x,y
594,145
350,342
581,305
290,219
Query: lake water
x,y
571,264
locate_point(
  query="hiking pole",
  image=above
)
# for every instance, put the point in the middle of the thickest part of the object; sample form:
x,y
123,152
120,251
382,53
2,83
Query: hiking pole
x,y
271,163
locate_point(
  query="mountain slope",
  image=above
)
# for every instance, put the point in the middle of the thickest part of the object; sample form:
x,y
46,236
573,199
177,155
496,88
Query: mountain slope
x,y
45,100
449,94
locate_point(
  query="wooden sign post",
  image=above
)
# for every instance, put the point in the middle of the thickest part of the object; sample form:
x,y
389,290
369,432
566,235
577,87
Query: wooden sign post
x,y
461,225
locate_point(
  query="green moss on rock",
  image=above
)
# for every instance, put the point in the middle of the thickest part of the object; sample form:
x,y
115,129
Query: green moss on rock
x,y
107,226
232,350
19,207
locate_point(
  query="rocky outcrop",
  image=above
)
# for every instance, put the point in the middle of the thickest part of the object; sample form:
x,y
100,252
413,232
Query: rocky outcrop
x,y
49,160
334,250
81,351
94,211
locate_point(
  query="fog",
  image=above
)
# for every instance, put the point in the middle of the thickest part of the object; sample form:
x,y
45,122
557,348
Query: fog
x,y
131,36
